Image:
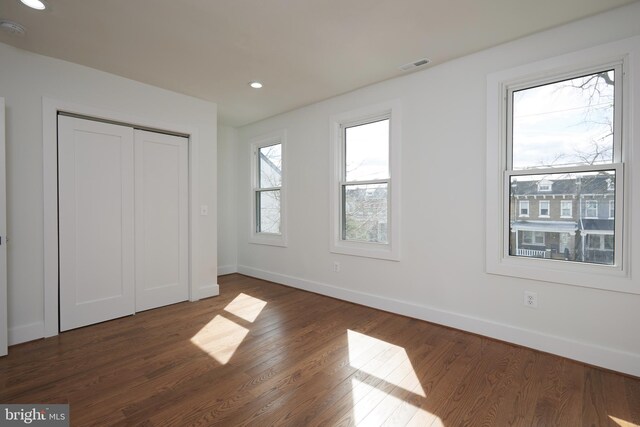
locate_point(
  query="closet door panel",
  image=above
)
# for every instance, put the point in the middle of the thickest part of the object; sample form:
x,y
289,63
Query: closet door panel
x,y
162,252
96,221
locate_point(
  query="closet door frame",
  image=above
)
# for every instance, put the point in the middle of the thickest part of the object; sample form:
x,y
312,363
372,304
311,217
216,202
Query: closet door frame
x,y
50,109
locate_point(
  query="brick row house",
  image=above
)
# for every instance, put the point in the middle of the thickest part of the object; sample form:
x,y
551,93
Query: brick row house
x,y
570,218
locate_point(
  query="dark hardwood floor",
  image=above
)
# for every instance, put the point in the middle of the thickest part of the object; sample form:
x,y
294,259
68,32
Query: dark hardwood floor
x,y
265,354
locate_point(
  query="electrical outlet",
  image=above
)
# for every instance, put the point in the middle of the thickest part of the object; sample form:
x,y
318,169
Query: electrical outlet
x,y
336,267
530,299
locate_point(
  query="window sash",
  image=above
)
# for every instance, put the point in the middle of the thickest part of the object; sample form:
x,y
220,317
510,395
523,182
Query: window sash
x,y
544,205
617,109
619,191
343,210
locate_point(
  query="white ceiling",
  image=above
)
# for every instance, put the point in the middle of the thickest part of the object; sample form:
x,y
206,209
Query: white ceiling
x,y
303,50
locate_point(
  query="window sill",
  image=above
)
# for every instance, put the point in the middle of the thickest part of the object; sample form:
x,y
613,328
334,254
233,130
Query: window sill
x,y
366,250
268,239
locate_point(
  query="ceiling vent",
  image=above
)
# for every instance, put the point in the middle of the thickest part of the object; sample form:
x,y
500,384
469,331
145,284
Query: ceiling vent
x,y
12,27
415,64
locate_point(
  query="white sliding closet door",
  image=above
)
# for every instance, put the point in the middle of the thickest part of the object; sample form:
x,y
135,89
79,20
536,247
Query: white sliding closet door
x,y
162,191
96,221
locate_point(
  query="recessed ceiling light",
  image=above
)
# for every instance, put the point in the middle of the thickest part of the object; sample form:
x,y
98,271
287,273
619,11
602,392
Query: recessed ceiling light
x,y
255,84
12,27
35,4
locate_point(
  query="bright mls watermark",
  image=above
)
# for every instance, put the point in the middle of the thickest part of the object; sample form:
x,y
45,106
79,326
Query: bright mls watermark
x,y
37,415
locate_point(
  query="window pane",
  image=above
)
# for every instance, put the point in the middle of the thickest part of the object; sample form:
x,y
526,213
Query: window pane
x,y
365,212
270,166
268,211
564,123
584,234
367,151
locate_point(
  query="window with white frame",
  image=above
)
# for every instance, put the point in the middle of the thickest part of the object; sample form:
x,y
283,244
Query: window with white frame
x,y
561,120
544,186
576,115
523,208
612,209
268,192
533,238
544,209
566,209
591,209
365,202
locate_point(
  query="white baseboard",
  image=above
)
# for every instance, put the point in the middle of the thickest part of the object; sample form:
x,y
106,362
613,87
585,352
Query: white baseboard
x,y
24,333
227,269
211,290
592,354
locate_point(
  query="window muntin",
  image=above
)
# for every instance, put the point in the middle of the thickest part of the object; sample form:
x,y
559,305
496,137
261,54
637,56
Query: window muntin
x,y
523,208
544,208
365,181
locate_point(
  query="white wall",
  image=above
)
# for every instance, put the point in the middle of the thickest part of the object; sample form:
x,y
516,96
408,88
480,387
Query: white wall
x,y
441,276
227,200
24,80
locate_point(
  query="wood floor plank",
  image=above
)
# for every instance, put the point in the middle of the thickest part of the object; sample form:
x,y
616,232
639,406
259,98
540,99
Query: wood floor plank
x,y
265,354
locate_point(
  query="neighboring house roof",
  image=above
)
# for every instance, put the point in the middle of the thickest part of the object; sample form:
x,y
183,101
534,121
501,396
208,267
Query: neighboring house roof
x,y
597,184
597,225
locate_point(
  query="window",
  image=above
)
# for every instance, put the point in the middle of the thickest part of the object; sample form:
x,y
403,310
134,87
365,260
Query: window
x,y
560,120
268,181
533,238
612,209
524,208
560,130
591,209
566,209
544,209
544,186
365,203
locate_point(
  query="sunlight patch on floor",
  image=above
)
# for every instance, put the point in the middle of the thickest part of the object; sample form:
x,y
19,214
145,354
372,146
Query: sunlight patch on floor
x,y
622,423
220,338
372,407
391,358
246,307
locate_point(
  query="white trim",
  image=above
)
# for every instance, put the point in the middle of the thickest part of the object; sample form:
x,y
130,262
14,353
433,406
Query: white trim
x,y
614,278
389,251
548,203
586,208
265,140
570,202
520,203
612,203
605,357
227,269
25,333
50,109
210,290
